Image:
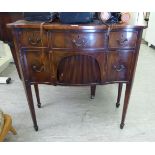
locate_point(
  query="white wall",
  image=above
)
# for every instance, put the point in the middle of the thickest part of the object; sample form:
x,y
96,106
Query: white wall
x,y
134,17
138,18
150,33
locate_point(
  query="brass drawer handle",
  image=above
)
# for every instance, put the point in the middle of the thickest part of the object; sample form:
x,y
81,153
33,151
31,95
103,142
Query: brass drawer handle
x,y
119,68
122,42
34,39
38,68
79,42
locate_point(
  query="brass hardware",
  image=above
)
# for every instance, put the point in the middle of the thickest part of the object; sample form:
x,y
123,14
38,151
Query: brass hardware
x,y
122,42
79,42
38,68
34,40
119,68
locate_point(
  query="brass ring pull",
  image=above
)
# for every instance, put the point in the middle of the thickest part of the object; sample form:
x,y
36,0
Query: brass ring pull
x,y
122,42
119,68
38,68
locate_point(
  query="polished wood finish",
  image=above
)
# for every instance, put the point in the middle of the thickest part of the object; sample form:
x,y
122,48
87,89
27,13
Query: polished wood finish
x,y
126,102
76,55
37,95
28,93
78,40
123,39
120,85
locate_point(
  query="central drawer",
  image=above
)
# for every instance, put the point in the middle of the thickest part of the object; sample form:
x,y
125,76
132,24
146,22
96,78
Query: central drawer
x,y
78,40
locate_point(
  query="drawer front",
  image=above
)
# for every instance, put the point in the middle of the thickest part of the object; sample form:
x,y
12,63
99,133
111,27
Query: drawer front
x,y
119,65
123,39
78,40
33,38
36,64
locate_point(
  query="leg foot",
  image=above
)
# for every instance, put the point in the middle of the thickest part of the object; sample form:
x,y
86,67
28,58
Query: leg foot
x,y
36,128
93,89
117,105
39,105
122,125
92,97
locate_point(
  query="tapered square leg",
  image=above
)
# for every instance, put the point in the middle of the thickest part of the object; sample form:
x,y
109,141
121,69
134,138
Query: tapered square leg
x,y
37,95
126,102
119,94
28,92
93,90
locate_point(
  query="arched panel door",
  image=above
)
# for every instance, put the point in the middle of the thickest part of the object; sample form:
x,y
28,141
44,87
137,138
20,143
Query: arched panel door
x,y
77,68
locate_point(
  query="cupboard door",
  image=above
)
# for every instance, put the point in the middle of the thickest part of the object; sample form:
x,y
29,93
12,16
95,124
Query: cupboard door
x,y
75,68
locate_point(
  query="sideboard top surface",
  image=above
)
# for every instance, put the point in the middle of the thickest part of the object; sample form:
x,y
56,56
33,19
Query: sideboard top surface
x,y
57,25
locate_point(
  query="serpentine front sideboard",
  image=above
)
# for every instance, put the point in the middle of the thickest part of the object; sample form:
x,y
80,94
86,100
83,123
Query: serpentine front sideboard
x,y
79,55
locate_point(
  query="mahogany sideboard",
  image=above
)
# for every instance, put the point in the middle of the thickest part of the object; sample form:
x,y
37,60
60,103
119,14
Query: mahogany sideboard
x,y
79,55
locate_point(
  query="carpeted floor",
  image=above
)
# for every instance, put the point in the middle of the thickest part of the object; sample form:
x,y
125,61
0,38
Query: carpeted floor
x,y
68,113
